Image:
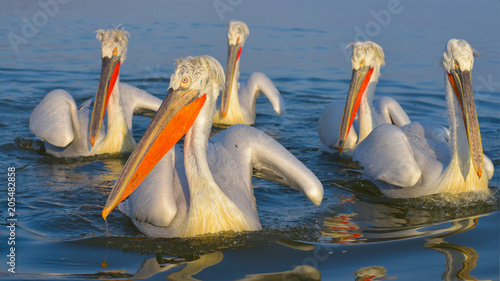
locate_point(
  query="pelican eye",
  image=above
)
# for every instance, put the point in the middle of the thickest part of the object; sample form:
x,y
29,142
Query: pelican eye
x,y
185,82
115,51
456,64
362,63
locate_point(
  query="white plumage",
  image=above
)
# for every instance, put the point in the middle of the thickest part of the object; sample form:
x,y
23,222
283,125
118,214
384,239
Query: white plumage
x,y
237,102
423,158
65,129
339,127
208,188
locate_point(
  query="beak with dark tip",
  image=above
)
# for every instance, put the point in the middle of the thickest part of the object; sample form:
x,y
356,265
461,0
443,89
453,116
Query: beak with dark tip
x,y
109,74
174,118
359,82
234,52
462,86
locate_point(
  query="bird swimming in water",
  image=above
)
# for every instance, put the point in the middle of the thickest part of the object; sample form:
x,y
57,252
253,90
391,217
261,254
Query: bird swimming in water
x,y
71,132
423,158
207,188
338,126
237,105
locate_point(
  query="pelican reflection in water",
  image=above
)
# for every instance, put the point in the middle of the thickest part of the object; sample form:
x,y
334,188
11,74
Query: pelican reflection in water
x,y
153,266
369,222
460,259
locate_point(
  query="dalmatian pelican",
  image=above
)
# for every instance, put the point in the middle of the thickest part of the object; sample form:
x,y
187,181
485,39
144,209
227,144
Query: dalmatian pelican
x,y
335,126
208,188
69,131
237,104
423,158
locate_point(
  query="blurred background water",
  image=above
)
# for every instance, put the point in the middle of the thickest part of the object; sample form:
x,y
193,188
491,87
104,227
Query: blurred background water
x,y
355,233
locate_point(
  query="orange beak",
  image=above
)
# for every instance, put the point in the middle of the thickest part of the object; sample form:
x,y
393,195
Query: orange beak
x,y
174,118
359,82
109,75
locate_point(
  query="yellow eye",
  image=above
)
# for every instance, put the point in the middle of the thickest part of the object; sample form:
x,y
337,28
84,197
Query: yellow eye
x,y
456,65
115,51
185,82
362,63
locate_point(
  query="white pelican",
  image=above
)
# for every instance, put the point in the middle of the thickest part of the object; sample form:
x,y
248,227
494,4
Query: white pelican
x,y
334,127
424,158
239,108
69,132
207,189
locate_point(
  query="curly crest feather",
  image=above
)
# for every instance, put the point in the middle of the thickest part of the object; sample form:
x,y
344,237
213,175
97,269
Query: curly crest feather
x,y
111,39
202,70
460,52
371,52
237,32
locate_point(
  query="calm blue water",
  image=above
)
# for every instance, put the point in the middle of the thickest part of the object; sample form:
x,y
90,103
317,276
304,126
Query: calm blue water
x,y
300,46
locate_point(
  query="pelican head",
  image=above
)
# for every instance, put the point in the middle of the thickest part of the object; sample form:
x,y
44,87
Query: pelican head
x,y
366,54
458,59
113,50
458,54
236,37
367,57
201,72
195,80
237,32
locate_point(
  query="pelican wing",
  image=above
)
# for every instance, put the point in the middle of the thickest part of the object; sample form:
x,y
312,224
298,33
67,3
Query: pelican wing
x,y
55,118
241,149
431,139
390,111
259,83
138,102
329,127
387,155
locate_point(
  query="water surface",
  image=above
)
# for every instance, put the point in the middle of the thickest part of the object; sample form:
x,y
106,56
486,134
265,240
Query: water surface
x,y
301,47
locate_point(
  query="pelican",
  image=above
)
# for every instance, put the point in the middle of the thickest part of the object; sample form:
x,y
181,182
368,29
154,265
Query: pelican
x,y
423,158
208,188
239,108
70,132
336,122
